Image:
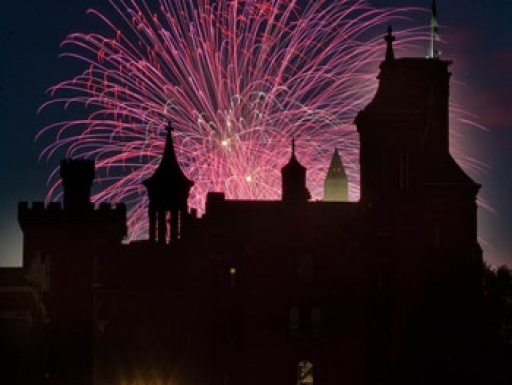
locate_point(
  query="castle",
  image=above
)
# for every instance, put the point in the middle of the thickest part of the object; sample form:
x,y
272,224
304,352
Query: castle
x,y
380,291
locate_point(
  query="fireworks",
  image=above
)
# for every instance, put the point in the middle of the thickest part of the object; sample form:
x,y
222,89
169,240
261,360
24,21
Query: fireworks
x,y
237,79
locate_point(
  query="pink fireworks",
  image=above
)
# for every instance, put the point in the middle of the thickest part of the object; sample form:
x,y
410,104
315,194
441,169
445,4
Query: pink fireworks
x,y
237,79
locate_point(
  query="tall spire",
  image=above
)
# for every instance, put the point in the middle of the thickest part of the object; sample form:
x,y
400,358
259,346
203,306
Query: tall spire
x,y
434,31
336,181
169,153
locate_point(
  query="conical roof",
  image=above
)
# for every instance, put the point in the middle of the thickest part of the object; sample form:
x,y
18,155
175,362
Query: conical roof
x,y
293,176
168,184
336,168
293,164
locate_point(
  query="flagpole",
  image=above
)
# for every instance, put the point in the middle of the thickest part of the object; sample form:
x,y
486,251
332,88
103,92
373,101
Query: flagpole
x,y
431,45
433,30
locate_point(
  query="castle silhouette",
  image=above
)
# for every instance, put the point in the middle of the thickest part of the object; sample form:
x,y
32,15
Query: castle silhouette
x,y
380,291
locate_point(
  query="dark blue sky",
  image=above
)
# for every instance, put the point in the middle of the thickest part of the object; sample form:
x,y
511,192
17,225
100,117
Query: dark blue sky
x,y
479,41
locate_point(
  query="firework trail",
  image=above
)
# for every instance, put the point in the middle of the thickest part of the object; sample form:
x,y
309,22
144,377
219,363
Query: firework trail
x,y
237,79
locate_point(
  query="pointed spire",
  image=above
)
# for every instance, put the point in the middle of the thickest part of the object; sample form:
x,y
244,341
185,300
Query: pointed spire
x,y
169,155
336,181
169,167
336,167
389,38
168,191
293,176
293,162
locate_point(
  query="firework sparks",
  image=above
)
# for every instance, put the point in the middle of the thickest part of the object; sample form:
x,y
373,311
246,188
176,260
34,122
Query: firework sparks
x,y
238,79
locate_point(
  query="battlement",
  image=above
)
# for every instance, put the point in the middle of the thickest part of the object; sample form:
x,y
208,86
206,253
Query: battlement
x,y
55,208
106,221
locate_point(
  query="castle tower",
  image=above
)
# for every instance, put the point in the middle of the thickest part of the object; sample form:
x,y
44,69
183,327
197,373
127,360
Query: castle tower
x,y
424,221
77,176
168,191
294,180
404,130
336,182
67,244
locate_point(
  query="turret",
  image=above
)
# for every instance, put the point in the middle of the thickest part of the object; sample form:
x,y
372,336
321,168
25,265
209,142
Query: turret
x,y
336,182
294,180
168,191
77,176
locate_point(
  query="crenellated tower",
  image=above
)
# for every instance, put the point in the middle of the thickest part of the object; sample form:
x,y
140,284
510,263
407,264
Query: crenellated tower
x,y
67,242
168,191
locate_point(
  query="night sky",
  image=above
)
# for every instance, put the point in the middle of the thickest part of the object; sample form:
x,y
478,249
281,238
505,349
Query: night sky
x,y
478,37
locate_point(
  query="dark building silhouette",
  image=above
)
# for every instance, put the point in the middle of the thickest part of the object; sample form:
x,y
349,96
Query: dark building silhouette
x,y
293,176
381,291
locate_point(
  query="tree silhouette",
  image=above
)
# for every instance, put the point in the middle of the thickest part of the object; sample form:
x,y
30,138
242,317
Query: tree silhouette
x,y
497,324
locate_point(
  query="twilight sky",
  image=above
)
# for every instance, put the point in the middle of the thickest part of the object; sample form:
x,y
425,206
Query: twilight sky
x,y
478,37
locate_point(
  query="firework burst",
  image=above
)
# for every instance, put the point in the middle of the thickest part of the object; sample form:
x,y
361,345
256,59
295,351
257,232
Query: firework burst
x,y
237,79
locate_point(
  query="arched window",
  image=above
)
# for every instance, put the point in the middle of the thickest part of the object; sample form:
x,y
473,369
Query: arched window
x,y
305,373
